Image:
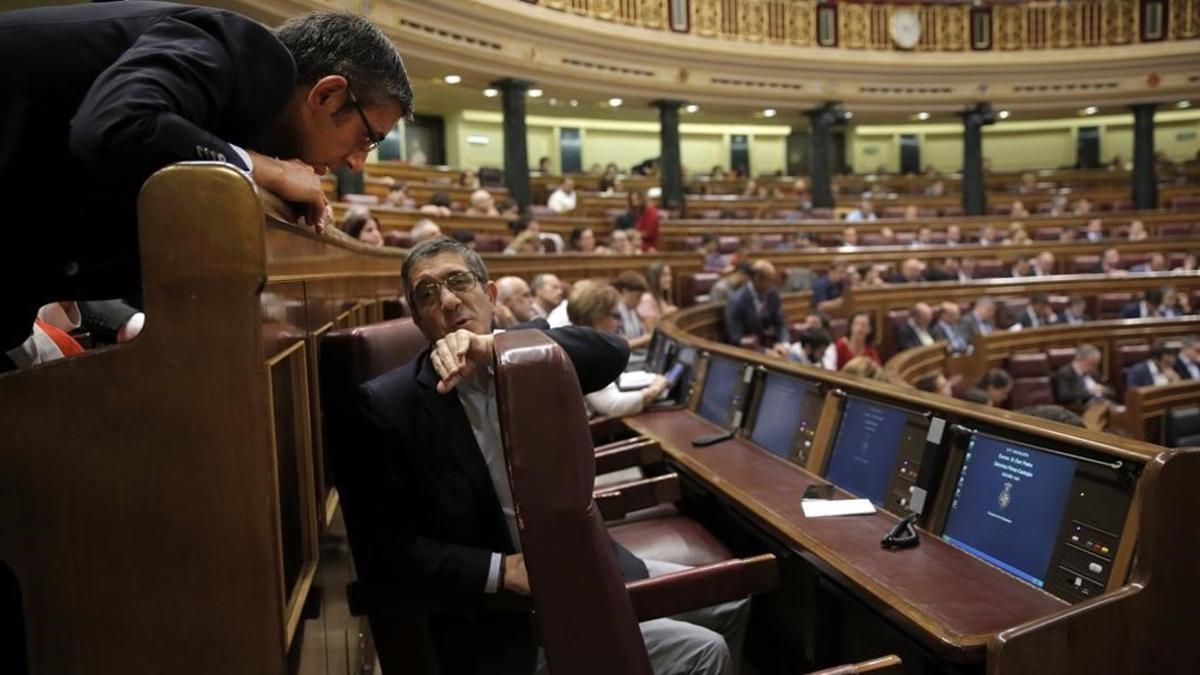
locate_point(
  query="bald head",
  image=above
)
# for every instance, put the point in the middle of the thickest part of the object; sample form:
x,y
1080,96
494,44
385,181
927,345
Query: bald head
x,y
425,229
922,314
513,293
763,275
951,313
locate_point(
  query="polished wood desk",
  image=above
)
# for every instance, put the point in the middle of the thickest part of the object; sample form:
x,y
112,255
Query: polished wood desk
x,y
951,601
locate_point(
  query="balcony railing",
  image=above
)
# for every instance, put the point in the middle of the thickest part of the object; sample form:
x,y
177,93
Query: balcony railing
x,y
943,26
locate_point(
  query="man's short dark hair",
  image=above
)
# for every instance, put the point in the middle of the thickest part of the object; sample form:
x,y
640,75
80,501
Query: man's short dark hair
x,y
1054,413
464,236
520,223
995,379
344,43
1039,298
815,338
431,248
1154,296
441,199
1157,352
630,281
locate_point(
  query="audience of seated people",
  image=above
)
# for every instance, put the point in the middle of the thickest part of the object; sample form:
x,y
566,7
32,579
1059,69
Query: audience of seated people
x,y
1038,313
858,341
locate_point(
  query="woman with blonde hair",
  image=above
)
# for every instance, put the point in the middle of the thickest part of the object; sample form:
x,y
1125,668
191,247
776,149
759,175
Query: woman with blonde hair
x,y
596,305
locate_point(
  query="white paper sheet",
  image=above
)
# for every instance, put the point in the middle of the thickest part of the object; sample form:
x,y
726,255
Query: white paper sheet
x,y
821,508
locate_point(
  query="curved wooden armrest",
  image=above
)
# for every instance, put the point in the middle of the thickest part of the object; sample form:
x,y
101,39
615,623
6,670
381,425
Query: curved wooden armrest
x,y
642,453
882,666
703,586
617,501
607,427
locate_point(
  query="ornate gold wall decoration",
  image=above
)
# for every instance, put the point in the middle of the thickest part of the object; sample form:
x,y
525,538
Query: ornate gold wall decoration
x,y
945,27
706,17
954,27
853,27
752,20
801,22
653,14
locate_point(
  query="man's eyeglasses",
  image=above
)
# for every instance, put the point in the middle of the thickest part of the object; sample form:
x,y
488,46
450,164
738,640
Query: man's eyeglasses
x,y
426,293
373,138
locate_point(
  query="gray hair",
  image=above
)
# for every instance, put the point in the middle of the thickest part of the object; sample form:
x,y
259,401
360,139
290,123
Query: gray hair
x,y
431,248
346,44
539,280
1087,351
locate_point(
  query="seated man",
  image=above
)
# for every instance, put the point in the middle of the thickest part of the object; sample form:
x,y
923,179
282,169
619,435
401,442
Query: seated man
x,y
547,294
912,271
1079,381
514,302
1187,363
433,502
830,285
1075,312
915,332
756,310
1039,312
482,204
1149,307
979,320
992,389
946,328
562,200
810,347
1156,370
424,229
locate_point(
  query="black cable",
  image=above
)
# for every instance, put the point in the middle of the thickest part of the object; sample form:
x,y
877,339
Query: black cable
x,y
903,535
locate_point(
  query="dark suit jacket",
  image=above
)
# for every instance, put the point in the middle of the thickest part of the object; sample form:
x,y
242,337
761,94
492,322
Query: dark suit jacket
x,y
968,327
1026,319
99,96
1181,368
1132,310
1069,388
422,512
742,318
907,338
823,289
939,332
1139,375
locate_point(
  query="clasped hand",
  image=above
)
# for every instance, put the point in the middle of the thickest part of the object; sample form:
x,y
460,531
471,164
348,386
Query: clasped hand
x,y
458,355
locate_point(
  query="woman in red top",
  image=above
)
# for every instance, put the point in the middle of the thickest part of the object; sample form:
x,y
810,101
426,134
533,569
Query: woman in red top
x,y
646,219
859,341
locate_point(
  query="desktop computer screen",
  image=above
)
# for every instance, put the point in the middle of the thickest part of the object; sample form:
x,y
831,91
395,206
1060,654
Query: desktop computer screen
x,y
780,416
722,388
1008,505
877,451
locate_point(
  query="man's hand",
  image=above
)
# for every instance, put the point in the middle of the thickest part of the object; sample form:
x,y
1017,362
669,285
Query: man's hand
x,y
516,579
780,350
458,355
657,386
293,181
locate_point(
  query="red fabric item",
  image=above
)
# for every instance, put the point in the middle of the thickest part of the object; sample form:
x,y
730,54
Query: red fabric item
x,y
65,343
844,354
647,224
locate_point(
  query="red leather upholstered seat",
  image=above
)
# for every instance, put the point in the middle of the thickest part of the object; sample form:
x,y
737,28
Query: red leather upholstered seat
x,y
1084,264
1028,365
1108,305
585,628
694,285
1027,391
1059,357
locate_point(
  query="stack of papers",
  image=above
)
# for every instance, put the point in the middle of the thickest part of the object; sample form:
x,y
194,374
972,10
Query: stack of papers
x,y
634,379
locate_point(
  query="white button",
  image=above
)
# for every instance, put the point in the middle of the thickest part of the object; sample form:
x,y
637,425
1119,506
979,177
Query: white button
x,y
1078,581
1095,568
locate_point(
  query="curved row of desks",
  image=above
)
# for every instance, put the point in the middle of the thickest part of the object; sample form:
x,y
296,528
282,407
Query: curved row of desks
x,y
179,512
948,610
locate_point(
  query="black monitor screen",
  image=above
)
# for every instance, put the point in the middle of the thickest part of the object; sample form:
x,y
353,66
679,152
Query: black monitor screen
x,y
660,347
867,448
778,417
720,388
1008,505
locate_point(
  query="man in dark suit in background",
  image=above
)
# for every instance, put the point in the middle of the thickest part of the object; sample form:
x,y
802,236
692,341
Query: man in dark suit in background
x,y
430,508
1187,363
915,331
1158,369
1149,307
1039,312
946,328
979,321
829,286
1079,381
99,97
755,309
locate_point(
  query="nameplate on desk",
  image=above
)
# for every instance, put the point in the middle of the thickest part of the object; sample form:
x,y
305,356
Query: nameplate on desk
x,y
822,508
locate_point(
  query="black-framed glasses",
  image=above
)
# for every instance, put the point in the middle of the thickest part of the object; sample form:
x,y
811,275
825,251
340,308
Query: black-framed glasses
x,y
426,293
373,138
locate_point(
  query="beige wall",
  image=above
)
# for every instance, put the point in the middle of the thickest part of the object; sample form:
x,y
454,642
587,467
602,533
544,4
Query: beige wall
x,y
701,152
1013,145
